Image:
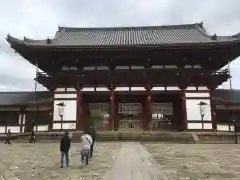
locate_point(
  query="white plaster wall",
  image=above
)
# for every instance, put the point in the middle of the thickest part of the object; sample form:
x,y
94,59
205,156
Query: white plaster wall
x,y
202,88
23,129
221,127
190,88
42,128
19,118
122,89
158,89
69,125
14,129
70,110
71,89
193,110
65,96
172,88
60,89
207,125
102,89
194,125
56,125
2,129
193,95
24,118
88,89
138,89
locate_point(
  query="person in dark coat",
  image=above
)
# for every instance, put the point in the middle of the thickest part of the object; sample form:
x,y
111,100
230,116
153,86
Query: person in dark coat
x,y
32,138
91,131
64,148
8,138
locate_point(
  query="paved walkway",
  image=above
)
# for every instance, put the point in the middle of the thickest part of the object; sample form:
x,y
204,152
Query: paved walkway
x,y
122,160
40,161
133,163
197,161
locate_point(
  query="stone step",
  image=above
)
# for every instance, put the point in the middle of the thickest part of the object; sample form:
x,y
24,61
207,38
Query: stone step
x,y
173,137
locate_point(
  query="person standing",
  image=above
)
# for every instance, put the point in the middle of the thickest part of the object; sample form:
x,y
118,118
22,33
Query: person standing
x,y
91,131
32,138
86,142
64,149
8,138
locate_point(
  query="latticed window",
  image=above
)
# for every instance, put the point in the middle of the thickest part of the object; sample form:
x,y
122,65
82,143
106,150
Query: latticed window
x,y
130,108
101,107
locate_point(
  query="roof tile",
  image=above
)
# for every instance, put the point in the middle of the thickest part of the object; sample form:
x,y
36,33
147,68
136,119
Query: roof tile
x,y
120,36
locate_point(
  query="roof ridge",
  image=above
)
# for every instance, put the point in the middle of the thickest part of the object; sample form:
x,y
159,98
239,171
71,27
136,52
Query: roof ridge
x,y
193,25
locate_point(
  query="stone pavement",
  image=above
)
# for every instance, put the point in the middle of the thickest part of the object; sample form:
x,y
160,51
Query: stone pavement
x,y
40,161
133,163
122,160
197,161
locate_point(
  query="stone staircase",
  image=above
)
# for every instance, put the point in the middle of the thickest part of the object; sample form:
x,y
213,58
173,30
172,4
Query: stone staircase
x,y
164,137
216,138
139,136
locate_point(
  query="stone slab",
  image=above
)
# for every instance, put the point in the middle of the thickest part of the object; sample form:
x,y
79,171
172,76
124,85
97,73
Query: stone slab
x,y
197,161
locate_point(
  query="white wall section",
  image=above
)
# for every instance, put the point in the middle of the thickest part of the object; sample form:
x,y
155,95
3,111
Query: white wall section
x,y
193,95
70,110
194,125
14,129
65,96
193,110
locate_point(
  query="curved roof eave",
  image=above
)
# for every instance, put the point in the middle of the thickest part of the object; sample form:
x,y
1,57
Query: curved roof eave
x,y
43,43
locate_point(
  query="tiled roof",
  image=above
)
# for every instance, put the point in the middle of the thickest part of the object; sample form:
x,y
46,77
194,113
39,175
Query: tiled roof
x,y
120,36
23,98
228,96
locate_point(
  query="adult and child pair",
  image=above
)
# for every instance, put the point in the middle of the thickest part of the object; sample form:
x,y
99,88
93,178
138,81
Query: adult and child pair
x,y
86,147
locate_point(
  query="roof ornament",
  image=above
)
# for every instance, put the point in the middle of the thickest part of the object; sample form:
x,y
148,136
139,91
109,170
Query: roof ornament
x,y
49,41
60,28
214,37
200,24
236,35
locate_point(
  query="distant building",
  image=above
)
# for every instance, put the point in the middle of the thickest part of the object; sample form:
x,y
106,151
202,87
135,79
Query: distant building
x,y
126,78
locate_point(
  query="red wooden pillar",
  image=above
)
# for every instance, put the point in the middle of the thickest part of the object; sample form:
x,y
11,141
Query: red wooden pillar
x,y
113,121
51,113
184,110
148,110
80,122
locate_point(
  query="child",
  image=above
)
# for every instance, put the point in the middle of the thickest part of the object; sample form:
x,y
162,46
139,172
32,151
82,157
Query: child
x,y
86,142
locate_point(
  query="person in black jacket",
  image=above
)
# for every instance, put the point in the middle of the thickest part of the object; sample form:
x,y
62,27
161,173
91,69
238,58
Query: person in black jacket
x,y
91,131
32,138
8,138
64,148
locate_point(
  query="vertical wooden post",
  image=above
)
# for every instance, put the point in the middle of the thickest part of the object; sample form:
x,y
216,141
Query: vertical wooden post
x,y
213,112
113,121
80,121
148,110
52,112
184,109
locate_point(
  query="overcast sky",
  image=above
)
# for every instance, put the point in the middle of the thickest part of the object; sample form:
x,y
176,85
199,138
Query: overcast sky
x,y
40,19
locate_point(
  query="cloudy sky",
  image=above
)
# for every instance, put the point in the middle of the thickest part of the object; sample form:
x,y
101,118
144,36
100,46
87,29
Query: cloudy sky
x,y
40,19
